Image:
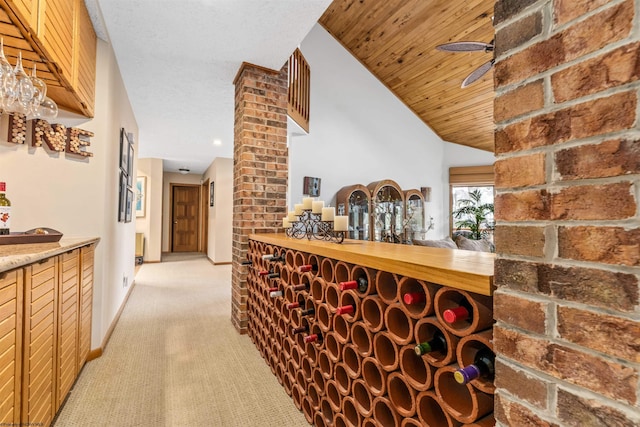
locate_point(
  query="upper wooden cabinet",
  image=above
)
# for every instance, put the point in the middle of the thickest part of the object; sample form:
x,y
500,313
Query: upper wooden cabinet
x,y
58,36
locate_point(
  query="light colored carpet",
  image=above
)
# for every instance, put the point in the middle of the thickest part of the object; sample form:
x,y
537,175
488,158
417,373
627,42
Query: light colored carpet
x,y
175,359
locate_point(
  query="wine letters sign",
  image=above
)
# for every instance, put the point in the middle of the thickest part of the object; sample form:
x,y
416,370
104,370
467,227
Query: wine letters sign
x,y
56,137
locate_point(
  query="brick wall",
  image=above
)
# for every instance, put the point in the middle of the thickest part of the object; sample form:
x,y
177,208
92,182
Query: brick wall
x,y
567,205
260,168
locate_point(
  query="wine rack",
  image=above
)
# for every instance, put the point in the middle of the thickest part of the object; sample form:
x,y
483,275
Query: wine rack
x,y
361,368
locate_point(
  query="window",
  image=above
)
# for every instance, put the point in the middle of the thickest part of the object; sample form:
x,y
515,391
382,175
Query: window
x,y
472,186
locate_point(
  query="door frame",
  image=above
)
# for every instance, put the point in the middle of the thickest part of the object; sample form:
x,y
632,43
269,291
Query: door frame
x,y
204,214
199,214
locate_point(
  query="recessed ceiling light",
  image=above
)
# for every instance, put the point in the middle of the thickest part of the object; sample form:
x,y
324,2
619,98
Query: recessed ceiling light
x,y
217,142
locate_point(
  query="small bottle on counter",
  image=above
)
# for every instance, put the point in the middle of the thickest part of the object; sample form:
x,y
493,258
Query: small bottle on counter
x,y
5,211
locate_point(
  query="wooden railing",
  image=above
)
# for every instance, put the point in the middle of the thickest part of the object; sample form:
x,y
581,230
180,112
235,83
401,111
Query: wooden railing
x,y
299,89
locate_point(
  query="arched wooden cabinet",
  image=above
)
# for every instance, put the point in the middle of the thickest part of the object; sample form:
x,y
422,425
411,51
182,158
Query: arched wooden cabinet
x,y
415,215
387,211
355,202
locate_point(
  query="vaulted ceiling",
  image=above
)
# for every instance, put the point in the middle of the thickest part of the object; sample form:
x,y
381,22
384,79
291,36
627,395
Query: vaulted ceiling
x,y
396,40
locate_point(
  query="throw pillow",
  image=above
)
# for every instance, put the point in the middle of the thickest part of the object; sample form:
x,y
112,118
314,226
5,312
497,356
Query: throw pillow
x,y
444,243
473,245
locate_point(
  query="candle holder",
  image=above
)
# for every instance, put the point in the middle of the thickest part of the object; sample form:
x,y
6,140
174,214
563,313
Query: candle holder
x,y
311,226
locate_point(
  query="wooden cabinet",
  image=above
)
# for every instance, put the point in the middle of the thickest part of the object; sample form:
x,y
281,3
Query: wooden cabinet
x,y
387,211
85,47
28,9
40,333
355,202
414,215
11,284
68,293
85,303
55,31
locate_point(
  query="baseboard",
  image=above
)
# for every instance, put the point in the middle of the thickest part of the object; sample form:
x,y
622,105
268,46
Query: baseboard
x,y
219,263
97,352
151,262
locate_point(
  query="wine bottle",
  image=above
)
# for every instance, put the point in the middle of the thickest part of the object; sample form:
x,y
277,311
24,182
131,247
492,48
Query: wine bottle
x,y
308,312
293,305
345,309
300,330
483,367
436,343
462,312
301,287
275,294
264,272
361,284
246,262
308,267
273,275
275,257
413,298
313,338
5,211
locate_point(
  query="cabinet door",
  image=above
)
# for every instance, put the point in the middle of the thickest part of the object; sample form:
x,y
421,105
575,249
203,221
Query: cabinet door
x,y
27,11
84,61
40,338
67,352
55,31
10,345
85,304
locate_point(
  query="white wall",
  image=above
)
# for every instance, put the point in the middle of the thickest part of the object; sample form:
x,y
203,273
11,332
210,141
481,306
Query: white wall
x,y
168,179
151,224
80,197
360,132
221,214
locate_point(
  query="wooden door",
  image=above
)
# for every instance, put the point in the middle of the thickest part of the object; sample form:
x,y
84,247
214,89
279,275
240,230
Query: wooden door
x,y
185,202
10,346
85,303
67,357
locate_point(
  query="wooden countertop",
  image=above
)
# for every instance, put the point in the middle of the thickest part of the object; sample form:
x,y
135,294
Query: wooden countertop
x,y
468,270
14,256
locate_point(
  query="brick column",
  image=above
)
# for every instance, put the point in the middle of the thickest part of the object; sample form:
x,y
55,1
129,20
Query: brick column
x,y
568,234
260,168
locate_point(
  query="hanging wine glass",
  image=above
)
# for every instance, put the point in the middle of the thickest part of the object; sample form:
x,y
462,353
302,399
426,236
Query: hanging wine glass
x,y
7,79
48,109
39,93
23,89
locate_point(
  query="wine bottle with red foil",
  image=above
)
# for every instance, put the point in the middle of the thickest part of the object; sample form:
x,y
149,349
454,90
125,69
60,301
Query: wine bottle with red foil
x,y
5,211
437,343
317,338
361,284
308,267
302,287
345,309
414,298
483,367
269,274
464,311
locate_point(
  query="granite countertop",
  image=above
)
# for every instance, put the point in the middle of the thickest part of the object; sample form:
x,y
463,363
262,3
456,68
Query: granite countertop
x,y
14,256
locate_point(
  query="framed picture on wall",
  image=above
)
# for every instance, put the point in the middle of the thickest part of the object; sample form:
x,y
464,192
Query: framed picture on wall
x,y
129,163
129,207
211,193
141,199
311,186
122,196
124,151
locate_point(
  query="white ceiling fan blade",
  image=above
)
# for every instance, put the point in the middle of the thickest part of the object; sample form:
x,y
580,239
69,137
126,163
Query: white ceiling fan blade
x,y
465,47
477,73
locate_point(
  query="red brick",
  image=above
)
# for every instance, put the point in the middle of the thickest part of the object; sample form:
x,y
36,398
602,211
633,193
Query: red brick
x,y
609,245
522,384
529,62
610,158
523,99
516,275
593,202
522,206
518,32
616,336
579,411
514,414
567,10
520,171
613,69
520,312
519,240
546,129
601,375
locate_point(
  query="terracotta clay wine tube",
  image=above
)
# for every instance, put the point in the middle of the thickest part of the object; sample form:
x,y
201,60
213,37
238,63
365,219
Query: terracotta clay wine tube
x,y
362,396
292,370
384,413
287,343
306,367
374,376
401,394
294,278
352,360
319,381
342,329
386,351
399,324
327,267
339,420
301,381
350,298
449,300
278,372
332,296
333,395
462,401
313,260
289,258
327,412
318,286
416,297
289,296
387,285
373,308
341,272
466,352
295,356
312,353
430,411
296,396
299,340
307,410
369,422
323,317
424,331
319,420
300,258
416,370
287,382
488,421
325,364
285,275
314,396
294,318
358,271
342,378
333,347
305,279
362,338
351,414
410,422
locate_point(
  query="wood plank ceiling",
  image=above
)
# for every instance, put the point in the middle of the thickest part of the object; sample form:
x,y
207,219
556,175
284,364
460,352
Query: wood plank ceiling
x,y
396,40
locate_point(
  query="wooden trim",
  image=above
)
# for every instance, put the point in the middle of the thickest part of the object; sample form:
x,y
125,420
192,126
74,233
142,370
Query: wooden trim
x,y
472,175
248,64
218,263
94,354
204,215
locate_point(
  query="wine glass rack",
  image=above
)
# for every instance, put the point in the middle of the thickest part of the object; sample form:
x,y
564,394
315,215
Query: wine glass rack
x,y
349,357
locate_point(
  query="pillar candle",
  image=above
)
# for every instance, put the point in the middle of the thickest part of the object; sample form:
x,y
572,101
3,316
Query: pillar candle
x,y
328,213
317,206
341,223
286,223
297,209
307,203
292,216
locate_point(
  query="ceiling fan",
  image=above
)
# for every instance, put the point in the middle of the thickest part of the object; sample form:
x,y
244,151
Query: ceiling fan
x,y
471,47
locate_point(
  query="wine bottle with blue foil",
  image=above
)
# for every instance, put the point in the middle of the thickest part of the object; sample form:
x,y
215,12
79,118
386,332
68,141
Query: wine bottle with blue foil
x,y
483,366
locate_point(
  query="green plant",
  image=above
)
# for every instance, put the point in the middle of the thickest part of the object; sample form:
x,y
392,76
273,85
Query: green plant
x,y
472,214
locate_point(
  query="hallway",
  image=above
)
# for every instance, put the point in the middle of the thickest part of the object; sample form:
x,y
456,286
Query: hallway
x,y
175,359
